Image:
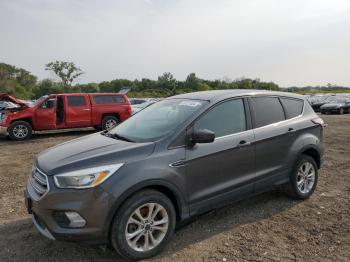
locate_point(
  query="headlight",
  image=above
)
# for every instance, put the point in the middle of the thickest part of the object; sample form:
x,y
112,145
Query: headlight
x,y
85,178
3,117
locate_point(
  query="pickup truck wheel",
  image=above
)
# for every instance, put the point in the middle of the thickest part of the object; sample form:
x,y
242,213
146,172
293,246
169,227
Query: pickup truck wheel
x,y
20,130
143,225
109,122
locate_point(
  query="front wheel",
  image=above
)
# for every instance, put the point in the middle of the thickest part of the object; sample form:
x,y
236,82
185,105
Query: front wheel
x,y
20,130
143,225
303,179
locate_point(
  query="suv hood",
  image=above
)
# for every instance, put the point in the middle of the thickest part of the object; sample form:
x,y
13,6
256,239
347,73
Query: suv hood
x,y
90,151
6,97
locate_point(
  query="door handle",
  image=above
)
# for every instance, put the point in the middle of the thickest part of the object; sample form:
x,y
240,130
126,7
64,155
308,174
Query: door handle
x,y
86,109
243,143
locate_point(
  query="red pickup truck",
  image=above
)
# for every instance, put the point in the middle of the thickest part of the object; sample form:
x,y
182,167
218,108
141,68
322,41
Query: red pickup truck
x,y
60,111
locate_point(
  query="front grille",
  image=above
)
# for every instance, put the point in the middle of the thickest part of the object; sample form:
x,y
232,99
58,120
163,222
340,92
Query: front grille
x,y
38,184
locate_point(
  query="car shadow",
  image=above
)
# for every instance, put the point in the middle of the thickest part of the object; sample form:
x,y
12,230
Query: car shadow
x,y
20,241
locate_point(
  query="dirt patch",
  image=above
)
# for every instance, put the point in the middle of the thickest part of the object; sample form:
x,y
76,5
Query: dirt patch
x,y
265,227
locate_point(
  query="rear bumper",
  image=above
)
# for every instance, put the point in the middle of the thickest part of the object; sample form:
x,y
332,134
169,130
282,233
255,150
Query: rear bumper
x,y
3,130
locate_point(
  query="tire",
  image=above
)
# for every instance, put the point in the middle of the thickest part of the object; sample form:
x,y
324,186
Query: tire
x,y
122,226
20,130
296,178
341,111
107,121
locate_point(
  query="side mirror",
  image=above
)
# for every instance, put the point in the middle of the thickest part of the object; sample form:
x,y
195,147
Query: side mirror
x,y
202,136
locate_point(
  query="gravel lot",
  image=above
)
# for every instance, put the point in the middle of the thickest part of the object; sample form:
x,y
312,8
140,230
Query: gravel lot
x,y
263,228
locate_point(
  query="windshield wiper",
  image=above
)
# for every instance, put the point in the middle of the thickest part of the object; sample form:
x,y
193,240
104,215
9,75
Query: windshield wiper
x,y
116,136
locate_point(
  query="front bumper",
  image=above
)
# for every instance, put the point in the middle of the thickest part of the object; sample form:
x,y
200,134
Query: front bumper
x,y
93,205
3,130
42,228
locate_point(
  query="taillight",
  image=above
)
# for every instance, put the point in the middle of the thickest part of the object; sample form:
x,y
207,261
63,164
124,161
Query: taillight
x,y
318,121
129,110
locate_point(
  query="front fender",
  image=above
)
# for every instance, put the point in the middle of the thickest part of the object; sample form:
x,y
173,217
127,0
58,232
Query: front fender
x,y
157,174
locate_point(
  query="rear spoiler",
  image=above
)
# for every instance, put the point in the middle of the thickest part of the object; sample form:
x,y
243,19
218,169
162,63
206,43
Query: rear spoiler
x,y
124,90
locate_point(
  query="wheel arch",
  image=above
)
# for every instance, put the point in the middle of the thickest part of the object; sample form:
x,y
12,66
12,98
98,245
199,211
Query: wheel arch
x,y
116,114
313,152
168,189
26,119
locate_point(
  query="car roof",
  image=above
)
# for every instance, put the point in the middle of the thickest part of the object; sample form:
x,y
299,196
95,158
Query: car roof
x,y
222,94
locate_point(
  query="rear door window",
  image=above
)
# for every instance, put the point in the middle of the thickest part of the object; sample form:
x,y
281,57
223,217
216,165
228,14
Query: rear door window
x,y
74,101
224,119
267,110
108,99
293,107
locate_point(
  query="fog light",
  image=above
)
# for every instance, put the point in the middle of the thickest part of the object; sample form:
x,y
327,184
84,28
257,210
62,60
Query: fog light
x,y
75,219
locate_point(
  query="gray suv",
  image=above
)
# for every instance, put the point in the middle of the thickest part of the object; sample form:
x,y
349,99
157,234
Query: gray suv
x,y
176,159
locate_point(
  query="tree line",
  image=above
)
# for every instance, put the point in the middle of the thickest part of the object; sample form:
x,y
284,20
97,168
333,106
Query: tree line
x,y
23,84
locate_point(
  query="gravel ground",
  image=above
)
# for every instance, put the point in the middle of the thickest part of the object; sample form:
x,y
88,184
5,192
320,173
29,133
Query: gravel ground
x,y
268,227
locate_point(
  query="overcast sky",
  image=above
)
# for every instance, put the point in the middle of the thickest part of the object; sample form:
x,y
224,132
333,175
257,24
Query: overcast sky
x,y
290,42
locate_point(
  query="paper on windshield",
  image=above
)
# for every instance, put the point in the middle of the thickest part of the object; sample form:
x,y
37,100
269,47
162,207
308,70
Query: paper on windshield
x,y
190,103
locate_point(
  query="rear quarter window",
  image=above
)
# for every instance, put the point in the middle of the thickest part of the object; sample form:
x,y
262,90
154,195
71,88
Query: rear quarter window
x,y
267,110
293,107
108,99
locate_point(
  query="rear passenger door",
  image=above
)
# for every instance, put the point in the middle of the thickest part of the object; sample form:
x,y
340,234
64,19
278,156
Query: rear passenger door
x,y
275,132
216,172
78,111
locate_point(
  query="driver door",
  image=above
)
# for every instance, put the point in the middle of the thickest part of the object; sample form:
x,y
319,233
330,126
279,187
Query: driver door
x,y
223,170
45,114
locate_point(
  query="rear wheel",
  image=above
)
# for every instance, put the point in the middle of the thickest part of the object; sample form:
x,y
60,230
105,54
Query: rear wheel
x,y
20,130
143,225
303,179
109,122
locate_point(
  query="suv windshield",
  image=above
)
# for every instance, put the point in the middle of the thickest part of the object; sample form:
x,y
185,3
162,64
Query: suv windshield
x,y
157,120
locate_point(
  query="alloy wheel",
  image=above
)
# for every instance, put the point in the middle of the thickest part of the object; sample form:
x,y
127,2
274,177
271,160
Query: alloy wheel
x,y
147,227
20,131
306,177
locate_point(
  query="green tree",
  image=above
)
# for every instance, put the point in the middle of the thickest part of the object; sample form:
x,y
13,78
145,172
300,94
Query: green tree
x,y
167,82
46,87
16,81
66,71
201,86
191,81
